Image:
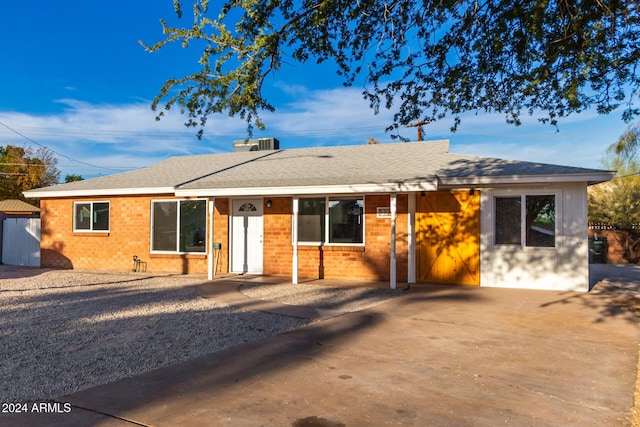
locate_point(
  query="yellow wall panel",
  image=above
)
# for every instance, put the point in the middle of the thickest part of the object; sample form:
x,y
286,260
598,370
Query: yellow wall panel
x,y
448,237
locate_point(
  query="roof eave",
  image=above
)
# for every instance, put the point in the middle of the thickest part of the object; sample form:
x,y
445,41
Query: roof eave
x,y
394,187
48,194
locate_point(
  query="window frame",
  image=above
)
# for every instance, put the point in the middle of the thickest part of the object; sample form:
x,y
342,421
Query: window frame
x,y
91,213
326,220
178,229
522,194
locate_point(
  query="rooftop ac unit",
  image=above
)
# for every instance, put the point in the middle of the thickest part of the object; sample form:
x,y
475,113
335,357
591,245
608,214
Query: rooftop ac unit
x,y
258,144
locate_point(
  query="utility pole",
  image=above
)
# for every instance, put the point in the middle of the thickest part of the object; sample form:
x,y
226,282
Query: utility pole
x,y
419,126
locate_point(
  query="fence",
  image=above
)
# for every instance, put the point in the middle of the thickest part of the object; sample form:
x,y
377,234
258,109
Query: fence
x,y
21,242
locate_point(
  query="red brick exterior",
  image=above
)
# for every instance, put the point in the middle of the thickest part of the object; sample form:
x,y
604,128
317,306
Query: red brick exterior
x,y
130,233
130,218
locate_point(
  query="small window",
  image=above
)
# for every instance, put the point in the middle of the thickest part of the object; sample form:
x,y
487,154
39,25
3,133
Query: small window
x,y
525,218
179,225
91,216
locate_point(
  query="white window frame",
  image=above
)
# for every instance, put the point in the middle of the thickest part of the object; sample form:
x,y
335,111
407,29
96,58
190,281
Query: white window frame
x,y
523,193
177,251
91,203
326,242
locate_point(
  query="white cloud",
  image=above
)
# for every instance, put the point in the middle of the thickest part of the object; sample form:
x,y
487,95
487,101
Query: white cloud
x,y
128,135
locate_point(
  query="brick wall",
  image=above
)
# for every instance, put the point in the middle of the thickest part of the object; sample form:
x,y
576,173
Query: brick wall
x,y
129,234
278,249
354,262
221,233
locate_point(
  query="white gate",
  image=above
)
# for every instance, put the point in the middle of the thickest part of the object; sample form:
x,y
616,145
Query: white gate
x,y
21,242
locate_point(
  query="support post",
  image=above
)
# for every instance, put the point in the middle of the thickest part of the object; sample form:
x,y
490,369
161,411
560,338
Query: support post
x,y
392,263
211,273
411,231
294,232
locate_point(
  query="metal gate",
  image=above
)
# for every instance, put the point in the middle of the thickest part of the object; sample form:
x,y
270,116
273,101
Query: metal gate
x,y
21,242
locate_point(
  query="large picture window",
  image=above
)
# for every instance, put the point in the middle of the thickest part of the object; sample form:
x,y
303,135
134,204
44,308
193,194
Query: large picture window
x,y
91,216
179,225
525,218
332,220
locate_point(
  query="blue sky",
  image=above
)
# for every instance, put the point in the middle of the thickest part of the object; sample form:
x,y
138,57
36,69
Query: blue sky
x,y
75,79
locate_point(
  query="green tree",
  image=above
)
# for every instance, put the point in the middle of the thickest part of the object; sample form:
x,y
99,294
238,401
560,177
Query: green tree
x,y
617,203
23,169
426,60
73,178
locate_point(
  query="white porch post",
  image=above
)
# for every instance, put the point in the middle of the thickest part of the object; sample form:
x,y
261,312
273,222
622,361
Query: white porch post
x,y
392,264
294,233
411,276
210,256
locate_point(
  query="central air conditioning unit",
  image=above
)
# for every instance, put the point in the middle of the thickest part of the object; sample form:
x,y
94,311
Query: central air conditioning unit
x,y
259,144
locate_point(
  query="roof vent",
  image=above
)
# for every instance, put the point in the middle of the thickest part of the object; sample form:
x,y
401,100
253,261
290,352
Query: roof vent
x,y
258,144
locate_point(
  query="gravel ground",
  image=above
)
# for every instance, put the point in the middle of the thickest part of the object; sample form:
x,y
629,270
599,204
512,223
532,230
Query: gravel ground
x,y
64,331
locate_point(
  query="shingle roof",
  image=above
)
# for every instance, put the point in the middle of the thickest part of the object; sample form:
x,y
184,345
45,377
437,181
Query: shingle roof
x,y
13,205
380,164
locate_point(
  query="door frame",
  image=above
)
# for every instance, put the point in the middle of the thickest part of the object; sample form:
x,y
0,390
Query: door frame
x,y
246,242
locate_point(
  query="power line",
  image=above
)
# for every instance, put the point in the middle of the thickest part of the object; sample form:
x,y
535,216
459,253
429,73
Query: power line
x,y
53,151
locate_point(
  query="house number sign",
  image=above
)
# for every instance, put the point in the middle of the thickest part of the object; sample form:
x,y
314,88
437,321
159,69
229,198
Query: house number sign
x,y
383,212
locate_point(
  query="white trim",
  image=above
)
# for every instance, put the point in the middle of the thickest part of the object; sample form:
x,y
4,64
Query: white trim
x,y
591,178
211,272
294,233
44,194
309,190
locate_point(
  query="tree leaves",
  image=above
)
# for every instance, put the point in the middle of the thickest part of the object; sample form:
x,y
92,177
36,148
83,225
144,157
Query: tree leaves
x,y
426,60
24,169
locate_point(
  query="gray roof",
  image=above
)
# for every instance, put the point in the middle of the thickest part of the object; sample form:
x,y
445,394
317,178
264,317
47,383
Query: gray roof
x,y
376,164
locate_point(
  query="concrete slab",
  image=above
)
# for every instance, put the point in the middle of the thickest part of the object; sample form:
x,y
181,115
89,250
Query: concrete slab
x,y
438,355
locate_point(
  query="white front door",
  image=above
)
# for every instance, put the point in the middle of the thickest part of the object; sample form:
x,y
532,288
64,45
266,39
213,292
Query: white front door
x,y
246,236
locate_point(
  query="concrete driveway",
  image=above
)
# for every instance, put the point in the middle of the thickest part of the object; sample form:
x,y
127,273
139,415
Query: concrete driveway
x,y
439,355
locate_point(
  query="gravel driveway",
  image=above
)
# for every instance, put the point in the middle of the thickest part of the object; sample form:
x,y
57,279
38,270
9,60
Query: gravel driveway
x,y
63,331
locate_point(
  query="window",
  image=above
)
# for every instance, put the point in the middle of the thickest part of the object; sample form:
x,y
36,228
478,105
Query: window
x,y
311,224
528,218
333,220
178,225
91,216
